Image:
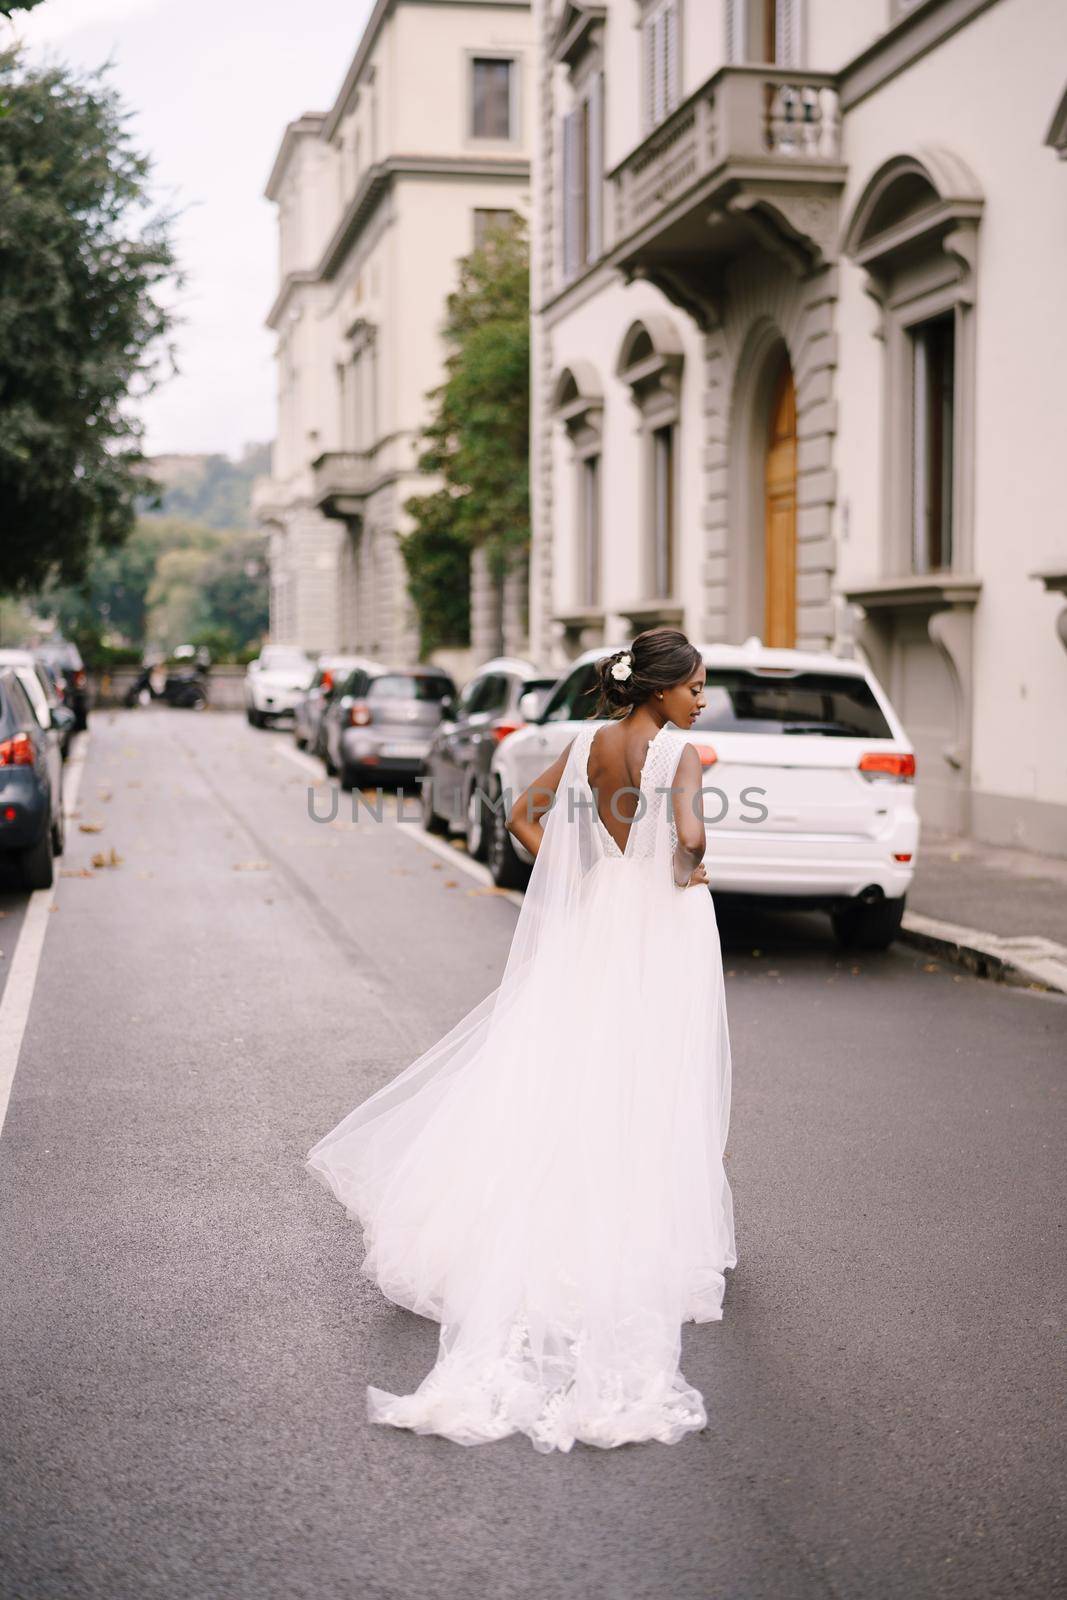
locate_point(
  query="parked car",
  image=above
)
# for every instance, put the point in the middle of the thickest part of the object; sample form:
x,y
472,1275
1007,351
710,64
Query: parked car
x,y
31,786
55,718
275,683
811,800
458,761
72,680
330,673
382,721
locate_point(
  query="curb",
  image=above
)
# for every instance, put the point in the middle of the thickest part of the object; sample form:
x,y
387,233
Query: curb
x,y
1027,959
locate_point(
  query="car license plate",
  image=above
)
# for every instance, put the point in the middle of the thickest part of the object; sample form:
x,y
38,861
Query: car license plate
x,y
409,748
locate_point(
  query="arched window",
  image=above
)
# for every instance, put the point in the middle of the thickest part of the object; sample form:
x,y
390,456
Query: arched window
x,y
578,403
650,362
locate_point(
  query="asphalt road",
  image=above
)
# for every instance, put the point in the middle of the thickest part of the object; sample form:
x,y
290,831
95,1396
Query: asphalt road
x,y
185,1340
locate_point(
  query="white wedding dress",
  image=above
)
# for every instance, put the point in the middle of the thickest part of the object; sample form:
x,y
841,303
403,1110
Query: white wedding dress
x,y
547,1180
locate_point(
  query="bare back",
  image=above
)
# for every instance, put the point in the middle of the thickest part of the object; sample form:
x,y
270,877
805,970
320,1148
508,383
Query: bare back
x,y
616,757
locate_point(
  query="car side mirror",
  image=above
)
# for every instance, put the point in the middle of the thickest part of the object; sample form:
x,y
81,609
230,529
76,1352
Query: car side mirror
x,y
531,704
253,666
63,719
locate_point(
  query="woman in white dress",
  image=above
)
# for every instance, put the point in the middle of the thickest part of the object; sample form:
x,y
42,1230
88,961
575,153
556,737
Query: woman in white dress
x,y
547,1180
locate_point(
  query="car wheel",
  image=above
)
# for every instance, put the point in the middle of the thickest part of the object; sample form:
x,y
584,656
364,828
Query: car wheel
x,y
430,820
328,762
873,927
197,700
506,869
476,832
59,834
298,738
37,863
349,777
253,718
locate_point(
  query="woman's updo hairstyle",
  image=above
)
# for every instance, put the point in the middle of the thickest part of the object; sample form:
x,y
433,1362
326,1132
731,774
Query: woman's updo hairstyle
x,y
659,658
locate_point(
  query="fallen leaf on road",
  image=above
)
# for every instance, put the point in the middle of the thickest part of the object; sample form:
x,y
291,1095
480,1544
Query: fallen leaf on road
x,y
90,827
855,971
490,888
251,866
458,844
110,858
104,794
75,872
450,883
931,966
436,865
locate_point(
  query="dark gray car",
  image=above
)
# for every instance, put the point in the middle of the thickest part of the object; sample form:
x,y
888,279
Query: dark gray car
x,y
31,786
457,766
382,722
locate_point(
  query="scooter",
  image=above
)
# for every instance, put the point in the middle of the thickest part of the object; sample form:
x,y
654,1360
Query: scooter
x,y
183,685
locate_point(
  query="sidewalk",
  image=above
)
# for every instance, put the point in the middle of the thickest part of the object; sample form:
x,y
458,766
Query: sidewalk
x,y
1001,912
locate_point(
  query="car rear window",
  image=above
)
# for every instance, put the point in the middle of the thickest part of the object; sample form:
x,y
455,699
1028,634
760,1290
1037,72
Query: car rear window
x,y
835,705
401,686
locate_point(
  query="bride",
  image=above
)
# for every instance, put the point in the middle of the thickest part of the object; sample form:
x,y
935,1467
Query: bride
x,y
546,1181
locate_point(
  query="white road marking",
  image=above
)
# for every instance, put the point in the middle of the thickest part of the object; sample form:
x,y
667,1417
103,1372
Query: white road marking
x,y
418,835
22,978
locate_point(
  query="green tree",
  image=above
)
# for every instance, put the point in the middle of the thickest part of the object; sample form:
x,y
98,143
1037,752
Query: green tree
x,y
478,439
8,7
82,259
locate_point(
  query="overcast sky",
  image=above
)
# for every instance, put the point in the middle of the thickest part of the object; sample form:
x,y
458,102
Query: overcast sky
x,y
212,83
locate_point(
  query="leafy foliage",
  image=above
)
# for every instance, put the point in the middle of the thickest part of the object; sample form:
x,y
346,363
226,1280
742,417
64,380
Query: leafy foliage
x,y
211,489
82,261
478,439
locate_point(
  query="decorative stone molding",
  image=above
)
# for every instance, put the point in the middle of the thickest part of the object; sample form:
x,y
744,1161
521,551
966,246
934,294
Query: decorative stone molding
x,y
579,629
650,361
576,32
947,603
768,313
1056,136
662,613
578,402
1056,583
914,231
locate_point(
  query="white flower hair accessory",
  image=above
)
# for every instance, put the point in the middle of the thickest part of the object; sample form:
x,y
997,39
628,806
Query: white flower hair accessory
x,y
623,667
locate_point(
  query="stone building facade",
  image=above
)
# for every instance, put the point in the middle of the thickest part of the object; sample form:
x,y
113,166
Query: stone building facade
x,y
798,283
427,144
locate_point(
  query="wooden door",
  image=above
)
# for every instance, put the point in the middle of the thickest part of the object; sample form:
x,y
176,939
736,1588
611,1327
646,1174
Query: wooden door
x,y
780,525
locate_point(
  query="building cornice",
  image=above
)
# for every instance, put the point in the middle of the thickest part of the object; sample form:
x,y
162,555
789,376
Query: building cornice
x,y
378,17
291,281
377,180
309,124
917,33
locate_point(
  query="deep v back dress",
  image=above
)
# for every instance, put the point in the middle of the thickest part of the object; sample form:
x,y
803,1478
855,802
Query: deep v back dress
x,y
546,1182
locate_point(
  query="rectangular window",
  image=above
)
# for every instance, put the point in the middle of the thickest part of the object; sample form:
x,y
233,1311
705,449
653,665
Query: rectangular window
x,y
583,180
492,96
589,488
933,348
486,222
660,67
663,498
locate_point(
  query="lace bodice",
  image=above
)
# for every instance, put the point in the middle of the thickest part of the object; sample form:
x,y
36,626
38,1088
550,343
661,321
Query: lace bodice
x,y
661,759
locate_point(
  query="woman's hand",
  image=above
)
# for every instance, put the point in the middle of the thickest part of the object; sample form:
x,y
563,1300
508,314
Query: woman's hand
x,y
699,875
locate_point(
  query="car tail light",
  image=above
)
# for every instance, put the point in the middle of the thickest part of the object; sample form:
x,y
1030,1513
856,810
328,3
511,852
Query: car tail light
x,y
327,683
79,678
888,764
10,813
503,728
17,752
904,855
708,756
360,714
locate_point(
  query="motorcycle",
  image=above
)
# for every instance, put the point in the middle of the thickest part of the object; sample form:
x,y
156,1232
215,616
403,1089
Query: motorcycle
x,y
181,683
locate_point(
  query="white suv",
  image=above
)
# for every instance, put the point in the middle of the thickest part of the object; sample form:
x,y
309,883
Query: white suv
x,y
275,683
808,779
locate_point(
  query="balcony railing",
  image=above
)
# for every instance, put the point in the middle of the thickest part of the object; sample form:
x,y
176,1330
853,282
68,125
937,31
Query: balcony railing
x,y
754,122
339,481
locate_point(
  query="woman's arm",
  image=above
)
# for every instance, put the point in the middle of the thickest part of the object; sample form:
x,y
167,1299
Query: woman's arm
x,y
524,817
689,821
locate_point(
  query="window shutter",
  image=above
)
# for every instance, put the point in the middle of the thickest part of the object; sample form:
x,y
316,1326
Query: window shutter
x,y
736,30
649,29
571,192
671,83
595,176
787,33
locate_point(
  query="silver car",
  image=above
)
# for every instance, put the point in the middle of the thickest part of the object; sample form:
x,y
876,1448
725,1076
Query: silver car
x,y
381,723
330,673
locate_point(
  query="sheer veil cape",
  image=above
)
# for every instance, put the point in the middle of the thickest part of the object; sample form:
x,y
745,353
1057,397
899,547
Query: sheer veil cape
x,y
546,1181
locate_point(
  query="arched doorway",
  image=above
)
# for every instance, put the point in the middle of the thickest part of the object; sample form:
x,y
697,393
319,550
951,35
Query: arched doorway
x,y
780,516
